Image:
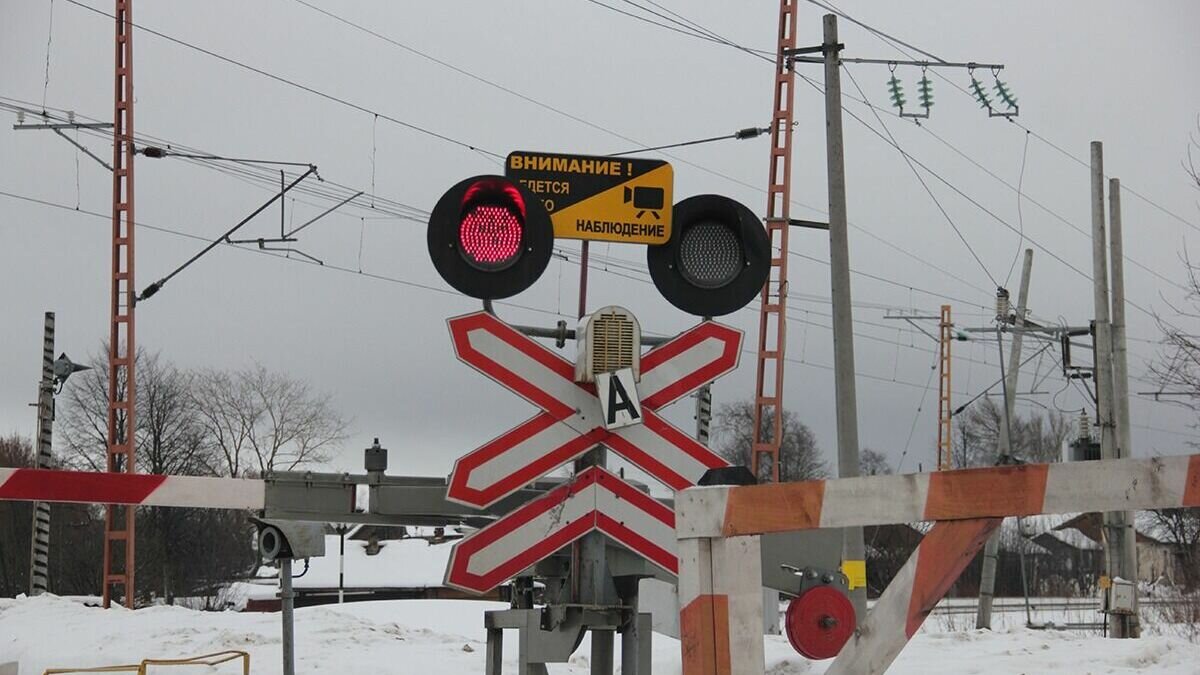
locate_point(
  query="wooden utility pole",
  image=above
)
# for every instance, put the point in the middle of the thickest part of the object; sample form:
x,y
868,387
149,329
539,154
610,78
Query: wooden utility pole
x,y
119,559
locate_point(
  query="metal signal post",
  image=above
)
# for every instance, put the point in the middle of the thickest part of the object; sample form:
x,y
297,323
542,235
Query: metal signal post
x,y
945,456
122,389
39,558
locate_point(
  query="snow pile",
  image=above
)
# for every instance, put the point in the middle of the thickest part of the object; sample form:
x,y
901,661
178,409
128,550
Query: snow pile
x,y
447,636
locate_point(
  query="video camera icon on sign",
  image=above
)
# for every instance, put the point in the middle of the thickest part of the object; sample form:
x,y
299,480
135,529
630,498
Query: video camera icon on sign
x,y
645,199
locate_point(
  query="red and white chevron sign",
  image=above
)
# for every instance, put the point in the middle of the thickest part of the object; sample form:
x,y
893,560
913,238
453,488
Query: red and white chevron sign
x,y
89,487
570,420
594,500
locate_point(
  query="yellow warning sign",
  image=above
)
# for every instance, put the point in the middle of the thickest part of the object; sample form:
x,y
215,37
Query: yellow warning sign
x,y
602,198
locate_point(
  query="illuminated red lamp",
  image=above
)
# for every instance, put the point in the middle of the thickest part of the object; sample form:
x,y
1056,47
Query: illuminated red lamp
x,y
489,237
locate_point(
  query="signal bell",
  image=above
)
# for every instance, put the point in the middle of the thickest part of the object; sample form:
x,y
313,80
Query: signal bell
x,y
490,237
717,259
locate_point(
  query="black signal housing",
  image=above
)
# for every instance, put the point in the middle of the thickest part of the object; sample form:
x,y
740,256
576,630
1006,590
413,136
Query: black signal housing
x,y
716,260
490,237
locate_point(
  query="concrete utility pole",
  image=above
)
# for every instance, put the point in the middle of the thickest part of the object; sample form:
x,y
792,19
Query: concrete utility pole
x,y
39,554
987,581
853,552
1115,527
1120,388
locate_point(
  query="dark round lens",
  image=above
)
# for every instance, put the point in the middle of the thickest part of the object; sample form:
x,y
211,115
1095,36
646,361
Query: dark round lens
x,y
710,254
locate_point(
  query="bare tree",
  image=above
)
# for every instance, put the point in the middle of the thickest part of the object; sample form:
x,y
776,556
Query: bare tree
x,y
81,415
75,531
169,437
799,457
180,551
15,521
261,421
1189,165
1033,437
1181,527
873,463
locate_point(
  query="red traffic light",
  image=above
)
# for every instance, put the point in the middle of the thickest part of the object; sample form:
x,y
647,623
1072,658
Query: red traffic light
x,y
717,259
489,237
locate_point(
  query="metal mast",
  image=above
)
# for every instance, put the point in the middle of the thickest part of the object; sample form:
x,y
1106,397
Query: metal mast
x,y
945,457
772,323
119,520
39,554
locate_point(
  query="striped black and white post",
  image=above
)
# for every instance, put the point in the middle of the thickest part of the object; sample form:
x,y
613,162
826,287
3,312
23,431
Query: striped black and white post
x,y
39,568
703,413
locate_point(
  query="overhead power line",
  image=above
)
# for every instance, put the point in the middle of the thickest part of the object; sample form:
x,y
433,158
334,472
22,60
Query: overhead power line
x,y
680,28
261,177
1019,231
302,87
897,43
743,134
436,289
388,118
687,23
925,185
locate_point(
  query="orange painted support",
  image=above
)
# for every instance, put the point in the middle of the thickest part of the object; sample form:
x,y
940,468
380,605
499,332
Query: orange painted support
x,y
945,458
119,559
720,564
772,319
917,588
720,580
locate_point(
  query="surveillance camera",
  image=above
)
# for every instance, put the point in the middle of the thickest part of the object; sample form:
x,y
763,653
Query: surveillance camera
x,y
289,539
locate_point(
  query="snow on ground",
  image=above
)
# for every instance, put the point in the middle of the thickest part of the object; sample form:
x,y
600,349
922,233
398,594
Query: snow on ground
x,y
447,636
406,562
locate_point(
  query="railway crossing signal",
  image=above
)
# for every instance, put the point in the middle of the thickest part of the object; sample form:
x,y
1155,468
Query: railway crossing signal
x,y
489,237
594,500
571,420
717,259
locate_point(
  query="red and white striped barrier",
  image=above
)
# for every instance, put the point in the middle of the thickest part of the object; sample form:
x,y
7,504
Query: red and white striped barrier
x,y
88,487
1024,490
718,620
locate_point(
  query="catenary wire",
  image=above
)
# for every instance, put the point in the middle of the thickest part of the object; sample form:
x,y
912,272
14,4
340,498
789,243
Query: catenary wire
x,y
921,180
292,83
897,43
615,134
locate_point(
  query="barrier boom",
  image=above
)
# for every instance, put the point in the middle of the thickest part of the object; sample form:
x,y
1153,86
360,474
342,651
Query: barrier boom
x,y
719,527
93,487
1024,490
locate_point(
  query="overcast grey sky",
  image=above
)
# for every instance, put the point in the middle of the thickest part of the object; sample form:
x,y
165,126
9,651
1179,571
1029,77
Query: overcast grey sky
x,y
1119,72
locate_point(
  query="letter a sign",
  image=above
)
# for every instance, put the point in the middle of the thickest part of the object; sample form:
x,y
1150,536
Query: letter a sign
x,y
618,399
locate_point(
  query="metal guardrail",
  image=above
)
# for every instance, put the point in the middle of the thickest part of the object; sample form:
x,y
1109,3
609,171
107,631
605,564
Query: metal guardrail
x,y
214,659
1070,604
